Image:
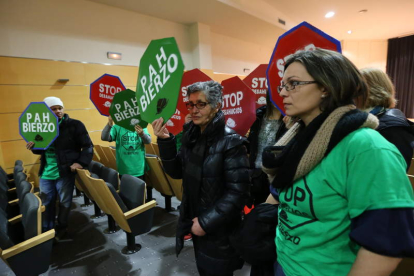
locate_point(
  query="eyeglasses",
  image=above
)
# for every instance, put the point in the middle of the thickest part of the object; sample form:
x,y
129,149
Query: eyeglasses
x,y
199,105
291,85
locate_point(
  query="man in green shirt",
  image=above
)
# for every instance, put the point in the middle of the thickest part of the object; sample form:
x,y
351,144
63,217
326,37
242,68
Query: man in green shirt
x,y
72,149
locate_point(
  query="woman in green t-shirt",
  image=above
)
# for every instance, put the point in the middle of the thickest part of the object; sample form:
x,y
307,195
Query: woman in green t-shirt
x,y
346,205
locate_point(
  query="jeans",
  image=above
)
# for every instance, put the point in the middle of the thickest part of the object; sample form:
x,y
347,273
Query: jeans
x,y
49,189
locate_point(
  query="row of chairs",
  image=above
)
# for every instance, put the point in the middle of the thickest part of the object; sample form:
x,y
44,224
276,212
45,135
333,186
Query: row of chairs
x,y
156,177
123,203
21,237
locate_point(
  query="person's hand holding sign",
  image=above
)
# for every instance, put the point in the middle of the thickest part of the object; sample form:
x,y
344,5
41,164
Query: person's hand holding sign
x,y
160,130
110,121
139,130
30,145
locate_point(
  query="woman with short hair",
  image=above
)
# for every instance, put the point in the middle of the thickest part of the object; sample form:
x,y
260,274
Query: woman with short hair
x,y
213,164
346,205
393,125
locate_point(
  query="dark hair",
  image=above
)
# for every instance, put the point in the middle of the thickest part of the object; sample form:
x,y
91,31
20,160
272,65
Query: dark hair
x,y
335,73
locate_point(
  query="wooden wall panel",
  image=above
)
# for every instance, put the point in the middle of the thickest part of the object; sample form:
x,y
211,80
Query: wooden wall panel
x,y
15,98
14,150
89,117
26,80
9,127
37,71
96,139
127,74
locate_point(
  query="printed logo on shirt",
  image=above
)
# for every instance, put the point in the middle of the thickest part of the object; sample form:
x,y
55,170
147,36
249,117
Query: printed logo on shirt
x,y
130,141
296,208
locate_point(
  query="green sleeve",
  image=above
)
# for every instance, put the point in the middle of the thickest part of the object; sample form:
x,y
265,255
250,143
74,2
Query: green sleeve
x,y
114,132
376,179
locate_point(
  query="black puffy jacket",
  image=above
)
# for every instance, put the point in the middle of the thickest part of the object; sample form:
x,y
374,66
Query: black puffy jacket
x,y
223,193
254,134
394,126
73,145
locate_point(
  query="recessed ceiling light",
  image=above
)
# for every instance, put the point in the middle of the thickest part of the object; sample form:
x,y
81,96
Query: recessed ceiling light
x,y
329,14
349,32
363,11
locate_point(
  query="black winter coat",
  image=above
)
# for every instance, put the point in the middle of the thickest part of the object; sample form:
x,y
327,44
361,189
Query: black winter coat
x,y
73,145
223,193
394,126
259,189
254,134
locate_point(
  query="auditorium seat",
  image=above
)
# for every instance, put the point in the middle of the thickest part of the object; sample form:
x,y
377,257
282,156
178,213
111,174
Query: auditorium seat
x,y
110,156
157,179
111,176
24,247
128,208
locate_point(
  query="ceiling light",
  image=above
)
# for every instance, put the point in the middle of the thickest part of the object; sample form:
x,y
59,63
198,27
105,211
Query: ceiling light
x,y
329,14
113,55
349,32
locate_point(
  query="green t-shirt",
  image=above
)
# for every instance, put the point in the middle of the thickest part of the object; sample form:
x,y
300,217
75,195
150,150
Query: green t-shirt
x,y
130,151
363,172
51,170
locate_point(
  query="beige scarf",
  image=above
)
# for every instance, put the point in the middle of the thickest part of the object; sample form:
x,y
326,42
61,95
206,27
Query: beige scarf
x,y
318,146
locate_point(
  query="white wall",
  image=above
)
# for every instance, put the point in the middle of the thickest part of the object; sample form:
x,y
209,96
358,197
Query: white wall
x,y
366,53
79,30
231,55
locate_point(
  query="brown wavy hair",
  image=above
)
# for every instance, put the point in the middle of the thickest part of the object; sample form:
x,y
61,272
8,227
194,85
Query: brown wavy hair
x,y
381,91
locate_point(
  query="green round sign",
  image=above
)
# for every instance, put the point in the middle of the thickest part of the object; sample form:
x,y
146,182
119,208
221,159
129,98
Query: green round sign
x,y
124,110
39,124
160,72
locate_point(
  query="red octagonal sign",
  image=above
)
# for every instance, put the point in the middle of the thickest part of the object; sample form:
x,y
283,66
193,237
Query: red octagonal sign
x,y
102,92
302,37
257,82
238,105
176,122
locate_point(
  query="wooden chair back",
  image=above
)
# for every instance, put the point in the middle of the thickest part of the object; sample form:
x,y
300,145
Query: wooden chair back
x,y
111,206
104,198
411,178
102,156
411,169
176,185
80,184
111,157
149,149
156,176
95,156
156,149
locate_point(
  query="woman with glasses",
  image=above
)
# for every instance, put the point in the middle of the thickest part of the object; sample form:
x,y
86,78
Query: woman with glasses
x,y
346,205
213,164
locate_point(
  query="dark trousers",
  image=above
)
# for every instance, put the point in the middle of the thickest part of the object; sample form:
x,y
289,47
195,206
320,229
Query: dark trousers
x,y
204,273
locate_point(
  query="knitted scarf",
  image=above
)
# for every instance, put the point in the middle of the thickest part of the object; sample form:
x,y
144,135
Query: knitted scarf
x,y
302,148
